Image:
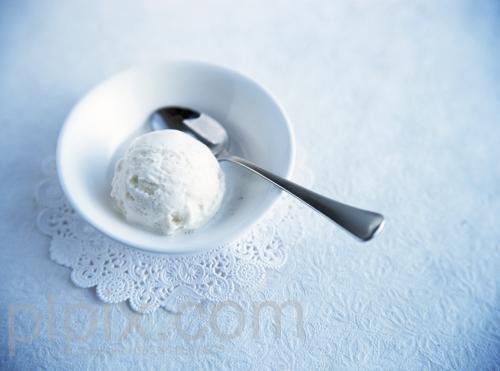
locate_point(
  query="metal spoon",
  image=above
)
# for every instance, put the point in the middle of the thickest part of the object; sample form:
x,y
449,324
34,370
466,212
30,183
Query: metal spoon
x,y
361,223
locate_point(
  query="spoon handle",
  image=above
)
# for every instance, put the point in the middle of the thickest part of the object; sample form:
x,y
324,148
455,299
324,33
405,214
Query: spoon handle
x,y
361,223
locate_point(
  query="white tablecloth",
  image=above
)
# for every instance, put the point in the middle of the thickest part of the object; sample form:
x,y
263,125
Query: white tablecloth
x,y
395,105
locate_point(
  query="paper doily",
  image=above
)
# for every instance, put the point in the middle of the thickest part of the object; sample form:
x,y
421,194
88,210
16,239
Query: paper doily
x,y
148,280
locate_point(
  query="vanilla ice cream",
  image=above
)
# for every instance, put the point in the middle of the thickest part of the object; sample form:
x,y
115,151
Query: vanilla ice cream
x,y
168,181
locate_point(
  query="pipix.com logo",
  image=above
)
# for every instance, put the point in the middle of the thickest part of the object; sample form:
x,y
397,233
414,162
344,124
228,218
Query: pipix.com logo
x,y
80,323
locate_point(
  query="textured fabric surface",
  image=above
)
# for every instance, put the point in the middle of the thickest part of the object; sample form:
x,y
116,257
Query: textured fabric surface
x,y
395,103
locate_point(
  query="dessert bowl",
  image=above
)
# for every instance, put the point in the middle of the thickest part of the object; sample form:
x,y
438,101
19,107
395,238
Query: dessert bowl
x,y
111,115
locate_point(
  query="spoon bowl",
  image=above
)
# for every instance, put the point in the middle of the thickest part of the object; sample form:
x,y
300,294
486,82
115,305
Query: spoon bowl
x,y
201,126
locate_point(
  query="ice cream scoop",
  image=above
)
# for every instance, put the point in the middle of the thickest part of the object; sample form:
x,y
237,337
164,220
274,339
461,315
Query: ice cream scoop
x,y
168,181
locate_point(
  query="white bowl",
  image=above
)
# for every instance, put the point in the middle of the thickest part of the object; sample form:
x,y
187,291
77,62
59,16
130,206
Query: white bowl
x,y
103,123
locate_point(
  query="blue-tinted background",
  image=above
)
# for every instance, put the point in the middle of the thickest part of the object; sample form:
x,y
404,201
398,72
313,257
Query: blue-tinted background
x,y
396,106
